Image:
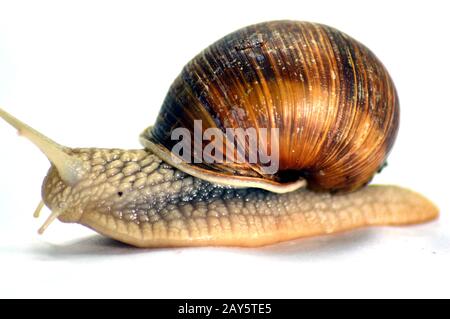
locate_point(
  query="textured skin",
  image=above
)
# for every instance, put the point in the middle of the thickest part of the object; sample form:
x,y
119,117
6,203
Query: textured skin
x,y
135,198
332,100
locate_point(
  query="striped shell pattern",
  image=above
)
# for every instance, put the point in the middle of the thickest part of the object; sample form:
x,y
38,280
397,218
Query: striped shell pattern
x,y
332,100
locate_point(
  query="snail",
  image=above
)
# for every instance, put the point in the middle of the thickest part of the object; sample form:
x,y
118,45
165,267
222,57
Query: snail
x,y
336,114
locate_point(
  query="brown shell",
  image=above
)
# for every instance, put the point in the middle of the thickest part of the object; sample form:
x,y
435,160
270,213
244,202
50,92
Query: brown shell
x,y
333,101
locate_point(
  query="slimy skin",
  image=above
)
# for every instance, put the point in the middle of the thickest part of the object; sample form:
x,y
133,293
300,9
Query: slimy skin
x,y
134,197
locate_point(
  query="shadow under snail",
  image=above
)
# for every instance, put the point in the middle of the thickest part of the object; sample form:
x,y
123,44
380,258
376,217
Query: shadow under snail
x,y
337,114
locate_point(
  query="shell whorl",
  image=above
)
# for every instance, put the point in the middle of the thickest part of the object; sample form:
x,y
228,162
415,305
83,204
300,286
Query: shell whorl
x,y
333,101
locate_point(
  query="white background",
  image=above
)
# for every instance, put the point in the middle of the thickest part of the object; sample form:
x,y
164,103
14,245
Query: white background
x,y
94,73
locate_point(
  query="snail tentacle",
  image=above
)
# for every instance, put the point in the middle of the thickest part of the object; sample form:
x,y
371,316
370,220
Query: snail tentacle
x,y
71,169
37,211
49,220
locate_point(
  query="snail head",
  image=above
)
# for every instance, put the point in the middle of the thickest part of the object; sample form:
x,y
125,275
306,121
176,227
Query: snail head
x,y
101,180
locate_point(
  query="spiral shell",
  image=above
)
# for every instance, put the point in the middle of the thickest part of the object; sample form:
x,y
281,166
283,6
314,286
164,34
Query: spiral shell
x,y
333,101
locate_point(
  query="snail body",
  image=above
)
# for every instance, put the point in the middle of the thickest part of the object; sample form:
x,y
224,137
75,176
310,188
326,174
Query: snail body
x,y
336,112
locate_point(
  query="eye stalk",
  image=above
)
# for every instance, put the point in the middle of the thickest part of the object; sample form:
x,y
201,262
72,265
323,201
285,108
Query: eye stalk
x,y
70,168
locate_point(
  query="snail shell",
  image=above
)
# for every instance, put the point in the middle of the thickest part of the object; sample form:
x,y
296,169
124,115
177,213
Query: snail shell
x,y
332,100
